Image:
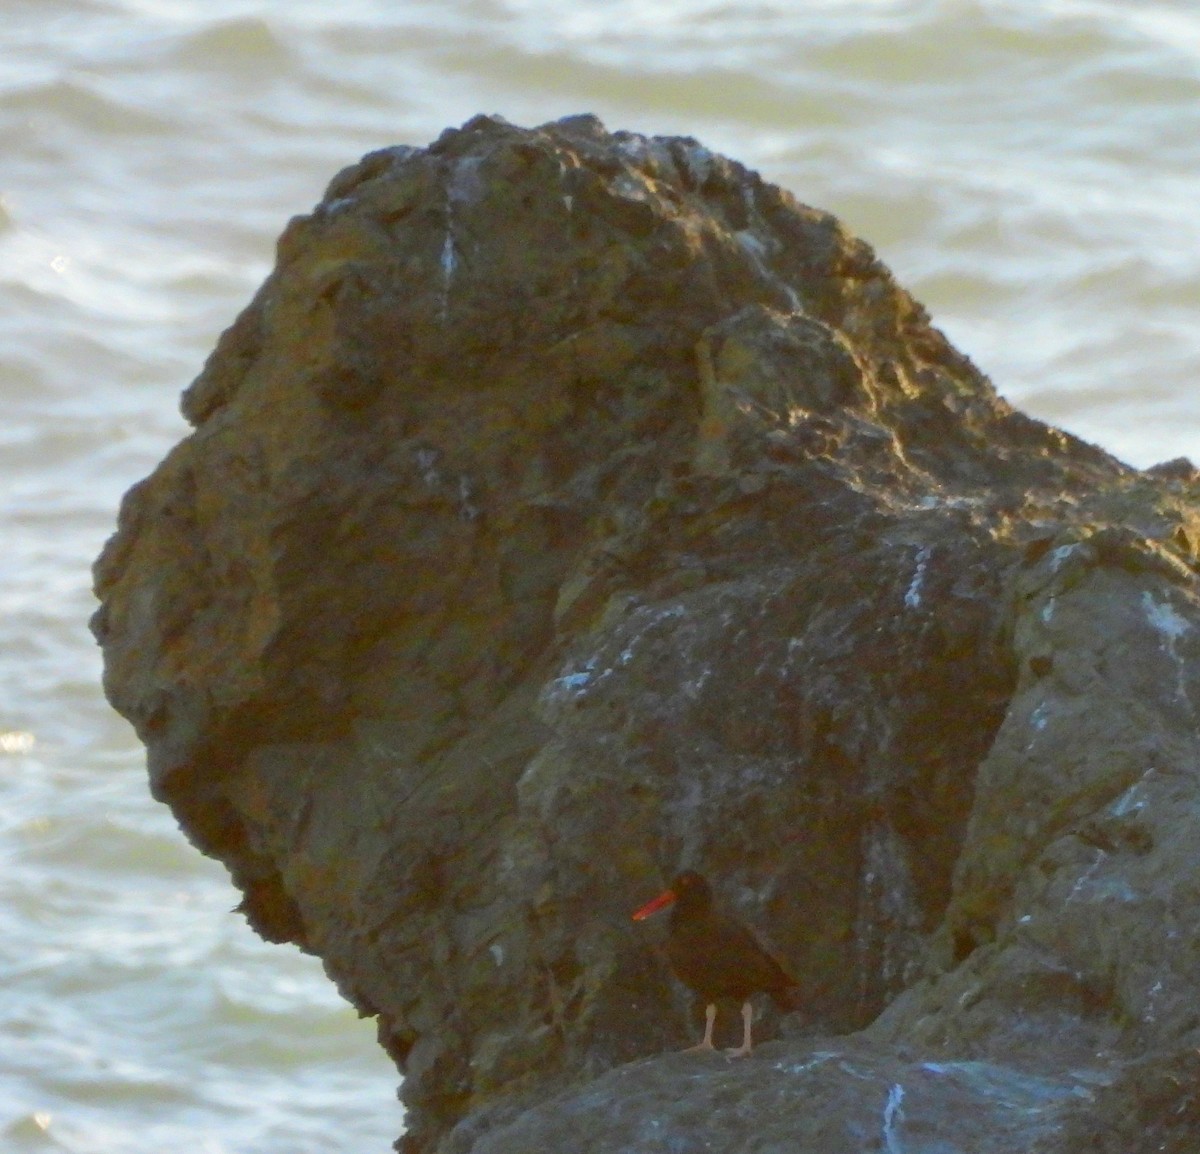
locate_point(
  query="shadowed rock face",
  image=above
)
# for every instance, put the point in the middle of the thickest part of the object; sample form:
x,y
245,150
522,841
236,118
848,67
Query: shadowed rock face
x,y
569,507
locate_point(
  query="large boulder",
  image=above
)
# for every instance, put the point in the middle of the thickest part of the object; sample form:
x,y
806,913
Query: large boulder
x,y
568,507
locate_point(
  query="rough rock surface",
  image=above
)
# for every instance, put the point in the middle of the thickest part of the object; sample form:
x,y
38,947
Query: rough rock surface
x,y
569,507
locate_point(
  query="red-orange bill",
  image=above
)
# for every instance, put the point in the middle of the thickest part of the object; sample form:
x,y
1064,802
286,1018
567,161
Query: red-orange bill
x,y
663,899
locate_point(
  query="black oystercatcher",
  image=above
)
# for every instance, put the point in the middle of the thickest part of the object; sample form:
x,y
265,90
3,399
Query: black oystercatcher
x,y
716,956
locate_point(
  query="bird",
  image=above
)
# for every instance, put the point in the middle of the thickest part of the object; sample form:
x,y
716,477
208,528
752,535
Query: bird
x,y
716,957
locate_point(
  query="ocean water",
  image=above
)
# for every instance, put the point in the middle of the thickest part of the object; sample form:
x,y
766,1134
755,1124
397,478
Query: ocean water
x,y
1030,169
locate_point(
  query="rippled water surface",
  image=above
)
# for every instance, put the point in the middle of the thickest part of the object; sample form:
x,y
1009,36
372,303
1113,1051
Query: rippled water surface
x,y
1029,168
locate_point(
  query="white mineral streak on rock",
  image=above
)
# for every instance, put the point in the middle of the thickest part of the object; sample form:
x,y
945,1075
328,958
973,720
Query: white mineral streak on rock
x,y
449,263
893,1115
1171,626
912,598
464,186
1059,555
1131,801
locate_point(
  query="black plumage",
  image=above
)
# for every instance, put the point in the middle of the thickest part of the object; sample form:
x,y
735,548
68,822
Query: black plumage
x,y
716,956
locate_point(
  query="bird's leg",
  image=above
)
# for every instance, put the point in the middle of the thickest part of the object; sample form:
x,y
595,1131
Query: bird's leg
x,y
705,1043
744,1048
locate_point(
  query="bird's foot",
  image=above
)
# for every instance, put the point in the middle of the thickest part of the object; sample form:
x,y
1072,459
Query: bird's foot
x,y
740,1052
699,1048
705,1043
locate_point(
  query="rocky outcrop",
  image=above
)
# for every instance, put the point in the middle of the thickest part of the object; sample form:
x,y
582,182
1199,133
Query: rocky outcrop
x,y
568,507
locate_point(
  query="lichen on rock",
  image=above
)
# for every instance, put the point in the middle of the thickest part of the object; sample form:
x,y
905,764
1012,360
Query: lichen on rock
x,y
569,506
